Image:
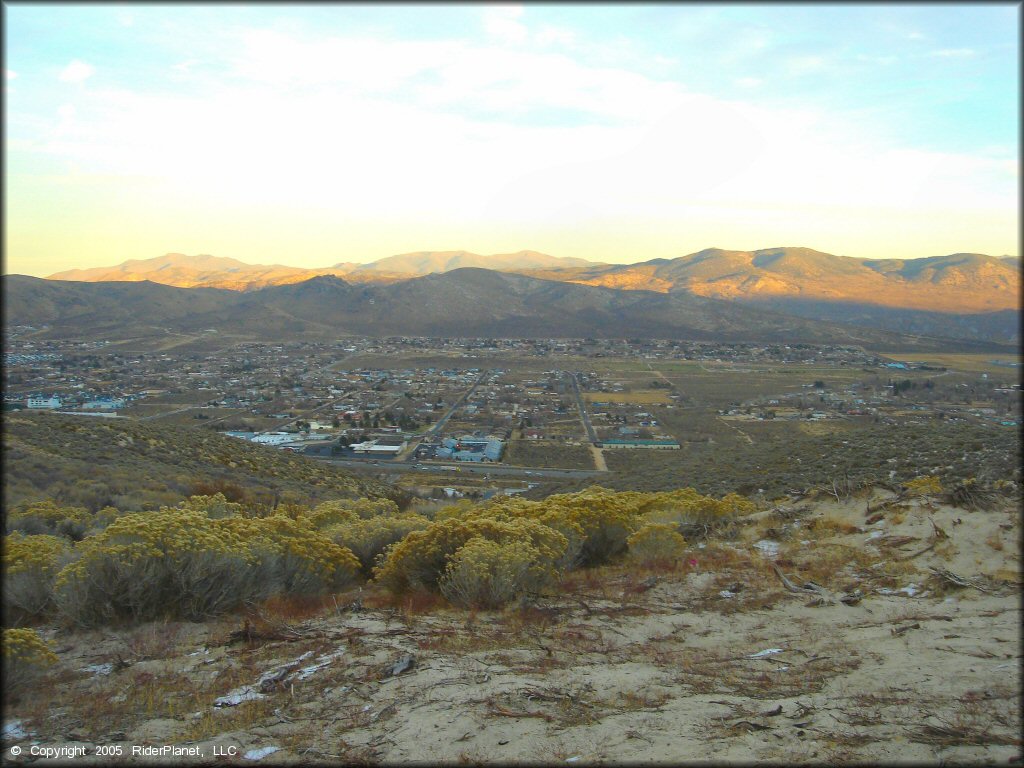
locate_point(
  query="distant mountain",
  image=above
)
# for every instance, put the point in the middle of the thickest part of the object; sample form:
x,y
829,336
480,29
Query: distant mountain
x,y
200,271
464,302
962,295
960,283
219,272
429,262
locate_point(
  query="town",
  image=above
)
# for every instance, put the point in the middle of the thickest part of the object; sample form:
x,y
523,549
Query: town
x,y
475,410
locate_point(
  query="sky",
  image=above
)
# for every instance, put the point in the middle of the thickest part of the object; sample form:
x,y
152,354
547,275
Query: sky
x,y
308,135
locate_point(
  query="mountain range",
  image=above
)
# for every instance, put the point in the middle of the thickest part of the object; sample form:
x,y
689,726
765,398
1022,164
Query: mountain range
x,y
204,271
963,296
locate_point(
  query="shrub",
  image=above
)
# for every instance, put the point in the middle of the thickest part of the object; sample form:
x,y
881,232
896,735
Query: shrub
x,y
368,539
30,564
656,542
47,516
923,486
26,654
304,560
695,514
215,506
180,563
421,558
487,574
155,564
338,511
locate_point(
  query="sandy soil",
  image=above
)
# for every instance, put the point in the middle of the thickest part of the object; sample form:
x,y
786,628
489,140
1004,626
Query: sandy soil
x,y
711,659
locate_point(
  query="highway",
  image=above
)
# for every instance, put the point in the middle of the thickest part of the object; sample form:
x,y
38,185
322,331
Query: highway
x,y
463,468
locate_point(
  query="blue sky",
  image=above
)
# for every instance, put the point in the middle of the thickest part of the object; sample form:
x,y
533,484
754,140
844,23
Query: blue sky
x,y
310,135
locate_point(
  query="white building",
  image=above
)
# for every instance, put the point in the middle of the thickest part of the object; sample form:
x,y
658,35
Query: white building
x,y
48,403
375,448
273,438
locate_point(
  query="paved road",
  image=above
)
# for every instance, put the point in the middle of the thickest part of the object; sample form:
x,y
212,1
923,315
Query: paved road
x,y
411,450
583,411
464,468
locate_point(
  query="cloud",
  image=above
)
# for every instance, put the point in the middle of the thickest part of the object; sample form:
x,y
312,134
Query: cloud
x,y
548,35
502,22
11,74
396,133
76,72
915,36
953,53
802,65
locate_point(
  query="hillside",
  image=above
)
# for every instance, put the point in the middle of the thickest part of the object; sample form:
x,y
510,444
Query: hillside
x,y
957,283
463,302
134,465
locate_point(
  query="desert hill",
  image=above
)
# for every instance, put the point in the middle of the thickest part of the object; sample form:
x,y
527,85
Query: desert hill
x,y
132,464
904,650
962,295
957,283
463,302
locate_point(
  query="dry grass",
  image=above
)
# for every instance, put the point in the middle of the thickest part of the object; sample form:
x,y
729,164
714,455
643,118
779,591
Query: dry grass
x,y
995,542
638,397
298,607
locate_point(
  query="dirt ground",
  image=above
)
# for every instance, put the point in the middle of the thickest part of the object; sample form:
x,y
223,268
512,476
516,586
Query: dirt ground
x,y
905,648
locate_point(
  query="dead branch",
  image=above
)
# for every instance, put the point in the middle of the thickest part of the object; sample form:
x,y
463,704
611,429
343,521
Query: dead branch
x,y
497,709
962,581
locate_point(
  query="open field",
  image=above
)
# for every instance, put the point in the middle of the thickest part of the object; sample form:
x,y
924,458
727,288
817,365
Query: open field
x,y
537,453
640,397
973,363
909,652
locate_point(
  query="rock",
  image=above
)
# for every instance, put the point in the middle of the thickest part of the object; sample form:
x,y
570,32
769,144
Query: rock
x,y
404,664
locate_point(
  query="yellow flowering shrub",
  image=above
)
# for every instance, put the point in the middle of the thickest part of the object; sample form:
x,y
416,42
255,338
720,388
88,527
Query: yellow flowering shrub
x,y
598,522
30,564
306,561
337,511
689,509
47,516
487,574
923,486
50,511
656,542
26,654
369,538
215,506
179,562
421,558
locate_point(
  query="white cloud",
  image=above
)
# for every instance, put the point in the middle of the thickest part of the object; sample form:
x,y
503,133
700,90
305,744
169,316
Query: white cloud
x,y
548,35
915,36
11,74
76,72
502,22
802,65
393,131
954,53
66,111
